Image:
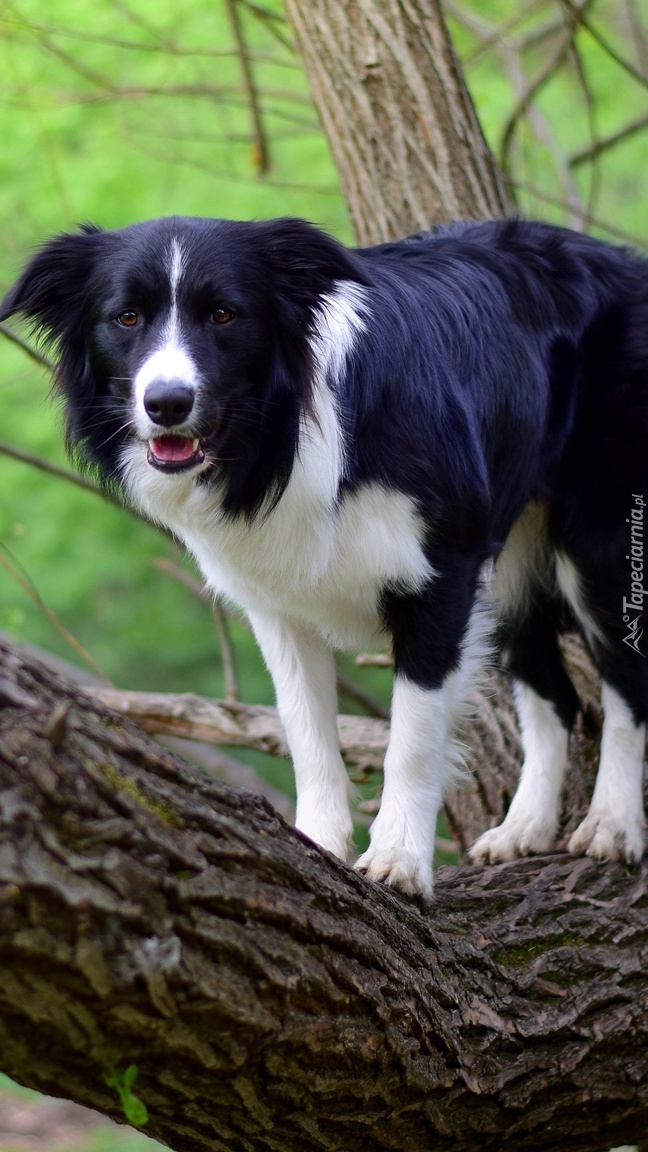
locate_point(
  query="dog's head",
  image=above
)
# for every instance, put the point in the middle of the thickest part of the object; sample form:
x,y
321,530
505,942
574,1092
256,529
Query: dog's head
x,y
188,346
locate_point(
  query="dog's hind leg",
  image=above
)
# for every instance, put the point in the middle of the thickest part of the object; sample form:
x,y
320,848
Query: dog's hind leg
x,y
614,827
547,705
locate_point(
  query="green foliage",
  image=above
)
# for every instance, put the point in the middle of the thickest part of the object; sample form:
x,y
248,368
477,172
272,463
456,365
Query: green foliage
x,y
133,1108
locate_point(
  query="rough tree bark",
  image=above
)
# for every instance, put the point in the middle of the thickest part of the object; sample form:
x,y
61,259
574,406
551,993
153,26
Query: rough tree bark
x,y
402,128
269,997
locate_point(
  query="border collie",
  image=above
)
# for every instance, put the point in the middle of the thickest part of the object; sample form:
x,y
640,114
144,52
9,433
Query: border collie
x,y
430,444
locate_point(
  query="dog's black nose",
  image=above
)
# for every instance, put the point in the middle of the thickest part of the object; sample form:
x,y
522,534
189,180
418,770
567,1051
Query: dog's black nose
x,y
168,402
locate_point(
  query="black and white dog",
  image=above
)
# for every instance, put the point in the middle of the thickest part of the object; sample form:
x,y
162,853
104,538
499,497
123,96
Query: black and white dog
x,y
424,443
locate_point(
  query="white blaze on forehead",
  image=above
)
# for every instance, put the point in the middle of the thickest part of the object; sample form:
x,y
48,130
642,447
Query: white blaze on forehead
x,y
176,268
170,360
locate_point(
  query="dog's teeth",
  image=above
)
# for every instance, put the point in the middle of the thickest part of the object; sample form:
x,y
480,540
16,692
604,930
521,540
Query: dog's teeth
x,y
196,445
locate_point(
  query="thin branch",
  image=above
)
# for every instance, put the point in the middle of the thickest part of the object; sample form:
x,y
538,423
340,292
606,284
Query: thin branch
x,y
607,47
489,35
55,470
177,573
18,572
590,108
261,152
271,21
374,660
141,45
61,473
138,20
223,92
553,62
352,691
539,125
593,221
363,740
71,62
638,34
232,688
31,351
241,178
606,142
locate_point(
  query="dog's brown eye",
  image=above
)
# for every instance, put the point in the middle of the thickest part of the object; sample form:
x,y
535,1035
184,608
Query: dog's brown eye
x,y
128,319
222,315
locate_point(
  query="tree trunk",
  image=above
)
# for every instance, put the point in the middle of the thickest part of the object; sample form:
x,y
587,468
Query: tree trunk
x,y
271,998
400,123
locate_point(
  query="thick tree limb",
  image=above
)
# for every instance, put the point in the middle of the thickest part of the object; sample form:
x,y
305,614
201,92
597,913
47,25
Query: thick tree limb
x,y
271,998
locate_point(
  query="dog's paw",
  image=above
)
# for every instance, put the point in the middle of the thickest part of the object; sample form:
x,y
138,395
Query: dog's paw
x,y
606,836
512,839
335,833
399,869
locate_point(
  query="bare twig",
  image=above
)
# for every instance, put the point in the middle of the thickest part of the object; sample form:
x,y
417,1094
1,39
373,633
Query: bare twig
x,y
228,93
54,470
274,22
18,573
232,689
488,34
556,58
178,573
593,221
590,107
606,46
32,26
75,65
32,352
604,143
374,660
638,34
539,125
347,687
261,152
76,478
362,739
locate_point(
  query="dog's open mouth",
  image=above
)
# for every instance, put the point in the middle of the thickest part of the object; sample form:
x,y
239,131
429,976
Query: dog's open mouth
x,y
172,453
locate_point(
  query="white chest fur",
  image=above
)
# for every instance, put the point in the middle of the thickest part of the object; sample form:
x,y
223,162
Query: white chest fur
x,y
311,559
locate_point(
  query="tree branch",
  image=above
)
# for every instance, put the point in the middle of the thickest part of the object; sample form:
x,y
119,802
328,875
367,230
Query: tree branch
x,y
272,999
261,152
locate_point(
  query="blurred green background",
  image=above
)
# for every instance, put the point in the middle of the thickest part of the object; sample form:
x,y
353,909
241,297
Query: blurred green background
x,y
115,112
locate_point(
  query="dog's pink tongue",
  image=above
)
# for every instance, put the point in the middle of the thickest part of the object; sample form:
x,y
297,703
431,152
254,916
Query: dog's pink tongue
x,y
172,448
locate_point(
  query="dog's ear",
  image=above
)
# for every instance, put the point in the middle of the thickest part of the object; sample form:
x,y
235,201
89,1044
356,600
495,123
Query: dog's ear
x,y
52,290
307,262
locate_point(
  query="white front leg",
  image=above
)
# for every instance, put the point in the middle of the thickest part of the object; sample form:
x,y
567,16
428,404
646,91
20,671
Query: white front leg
x,y
418,767
303,672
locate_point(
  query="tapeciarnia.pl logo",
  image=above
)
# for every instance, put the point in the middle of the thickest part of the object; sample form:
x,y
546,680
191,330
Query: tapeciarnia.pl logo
x,y
631,617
